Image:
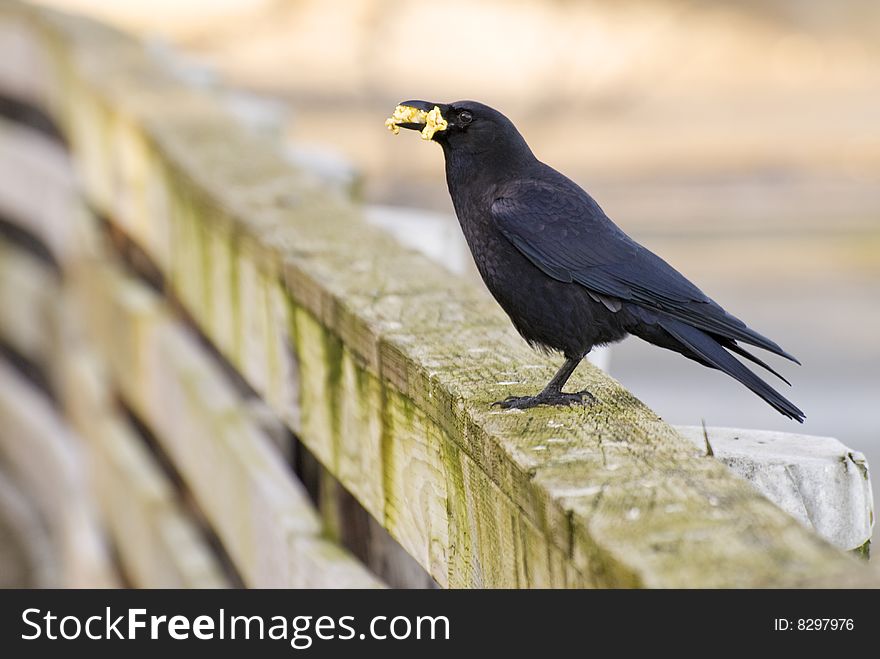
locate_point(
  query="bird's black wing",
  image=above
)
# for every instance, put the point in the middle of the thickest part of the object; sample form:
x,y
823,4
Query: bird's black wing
x,y
565,233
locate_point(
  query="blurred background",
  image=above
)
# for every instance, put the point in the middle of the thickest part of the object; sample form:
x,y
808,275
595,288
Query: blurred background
x,y
739,140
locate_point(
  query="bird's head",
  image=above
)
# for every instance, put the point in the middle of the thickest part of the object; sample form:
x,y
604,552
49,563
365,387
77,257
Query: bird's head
x,y
465,127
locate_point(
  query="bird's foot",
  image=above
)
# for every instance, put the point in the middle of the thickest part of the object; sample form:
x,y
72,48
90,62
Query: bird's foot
x,y
554,399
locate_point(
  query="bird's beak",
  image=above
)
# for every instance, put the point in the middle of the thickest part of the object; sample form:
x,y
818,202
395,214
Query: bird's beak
x,y
428,125
424,106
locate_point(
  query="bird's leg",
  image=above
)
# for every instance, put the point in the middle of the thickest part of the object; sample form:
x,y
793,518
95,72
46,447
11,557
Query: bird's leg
x,y
552,394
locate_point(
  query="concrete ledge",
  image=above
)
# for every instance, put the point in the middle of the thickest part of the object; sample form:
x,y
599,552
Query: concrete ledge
x,y
385,365
816,480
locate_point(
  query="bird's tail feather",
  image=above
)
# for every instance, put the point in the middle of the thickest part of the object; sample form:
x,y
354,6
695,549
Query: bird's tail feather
x,y
742,352
714,354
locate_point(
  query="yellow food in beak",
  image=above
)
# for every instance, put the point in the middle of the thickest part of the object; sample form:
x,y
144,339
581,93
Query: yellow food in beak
x,y
403,114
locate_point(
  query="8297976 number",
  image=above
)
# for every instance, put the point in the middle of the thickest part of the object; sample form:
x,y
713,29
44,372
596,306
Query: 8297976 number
x,y
814,624
823,624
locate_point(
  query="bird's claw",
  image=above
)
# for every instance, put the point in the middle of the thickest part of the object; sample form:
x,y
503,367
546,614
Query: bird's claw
x,y
555,399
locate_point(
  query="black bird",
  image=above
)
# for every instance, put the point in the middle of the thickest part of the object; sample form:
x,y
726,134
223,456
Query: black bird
x,y
567,276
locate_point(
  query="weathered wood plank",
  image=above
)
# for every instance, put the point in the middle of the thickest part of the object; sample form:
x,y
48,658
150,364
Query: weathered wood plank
x,y
347,522
26,551
247,493
157,543
384,342
48,462
39,192
38,195
24,72
29,293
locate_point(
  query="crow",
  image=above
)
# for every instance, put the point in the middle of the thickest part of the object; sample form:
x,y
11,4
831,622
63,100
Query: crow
x,y
565,274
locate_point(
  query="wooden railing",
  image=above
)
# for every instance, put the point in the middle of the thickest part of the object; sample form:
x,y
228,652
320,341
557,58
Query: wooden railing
x,y
258,388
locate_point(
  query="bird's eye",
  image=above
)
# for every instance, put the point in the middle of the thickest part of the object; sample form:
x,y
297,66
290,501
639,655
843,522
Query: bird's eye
x,y
465,117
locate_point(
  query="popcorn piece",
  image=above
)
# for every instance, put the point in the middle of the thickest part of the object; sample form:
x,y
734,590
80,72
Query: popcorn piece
x,y
403,114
